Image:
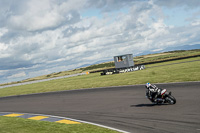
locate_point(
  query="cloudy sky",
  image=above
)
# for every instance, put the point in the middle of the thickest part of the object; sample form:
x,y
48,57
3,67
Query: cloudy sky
x,y
39,37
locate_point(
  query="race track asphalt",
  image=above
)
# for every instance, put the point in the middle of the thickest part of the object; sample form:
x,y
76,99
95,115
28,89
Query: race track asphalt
x,y
124,108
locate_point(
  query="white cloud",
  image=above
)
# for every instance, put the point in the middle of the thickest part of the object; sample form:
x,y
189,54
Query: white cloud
x,y
3,47
50,35
17,75
43,14
196,23
3,31
175,3
157,50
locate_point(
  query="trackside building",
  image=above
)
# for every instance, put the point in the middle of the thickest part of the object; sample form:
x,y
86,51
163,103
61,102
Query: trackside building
x,y
123,63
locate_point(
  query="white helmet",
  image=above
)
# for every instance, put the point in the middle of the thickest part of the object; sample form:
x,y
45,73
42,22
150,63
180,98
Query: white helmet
x,y
148,85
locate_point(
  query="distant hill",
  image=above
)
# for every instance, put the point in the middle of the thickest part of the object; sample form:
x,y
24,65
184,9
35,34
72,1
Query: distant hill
x,y
146,58
184,47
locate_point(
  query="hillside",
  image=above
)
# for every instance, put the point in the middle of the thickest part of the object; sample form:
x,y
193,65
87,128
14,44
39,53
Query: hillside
x,y
138,60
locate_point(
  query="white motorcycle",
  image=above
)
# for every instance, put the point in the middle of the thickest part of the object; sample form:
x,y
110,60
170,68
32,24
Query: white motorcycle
x,y
163,97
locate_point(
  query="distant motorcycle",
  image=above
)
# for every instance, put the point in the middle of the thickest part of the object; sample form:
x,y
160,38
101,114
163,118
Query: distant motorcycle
x,y
163,97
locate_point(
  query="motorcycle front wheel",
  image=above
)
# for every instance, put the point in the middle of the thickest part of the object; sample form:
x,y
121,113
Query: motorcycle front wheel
x,y
170,99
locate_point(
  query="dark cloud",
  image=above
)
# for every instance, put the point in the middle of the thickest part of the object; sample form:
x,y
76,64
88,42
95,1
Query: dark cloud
x,y
14,63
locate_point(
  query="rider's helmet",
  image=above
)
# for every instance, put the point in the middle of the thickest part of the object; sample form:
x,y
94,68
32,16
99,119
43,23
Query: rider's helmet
x,y
147,85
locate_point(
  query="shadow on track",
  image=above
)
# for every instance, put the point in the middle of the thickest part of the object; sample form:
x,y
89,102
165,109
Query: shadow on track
x,y
147,105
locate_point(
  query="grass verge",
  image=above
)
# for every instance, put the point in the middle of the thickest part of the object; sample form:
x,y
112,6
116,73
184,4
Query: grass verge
x,y
165,73
20,125
144,59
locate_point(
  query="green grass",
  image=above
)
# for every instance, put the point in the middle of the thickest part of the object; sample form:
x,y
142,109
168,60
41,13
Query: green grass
x,y
189,71
20,125
147,59
137,60
165,56
99,66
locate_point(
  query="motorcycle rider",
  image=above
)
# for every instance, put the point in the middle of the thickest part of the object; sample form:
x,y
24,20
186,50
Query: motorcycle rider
x,y
152,92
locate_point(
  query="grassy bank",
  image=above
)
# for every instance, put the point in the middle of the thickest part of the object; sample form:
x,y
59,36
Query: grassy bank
x,y
166,56
172,71
164,73
151,58
20,125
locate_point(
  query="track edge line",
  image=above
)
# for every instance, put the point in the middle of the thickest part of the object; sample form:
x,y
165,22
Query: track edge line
x,y
81,121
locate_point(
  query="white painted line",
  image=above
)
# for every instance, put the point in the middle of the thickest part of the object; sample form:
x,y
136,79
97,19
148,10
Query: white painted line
x,y
99,125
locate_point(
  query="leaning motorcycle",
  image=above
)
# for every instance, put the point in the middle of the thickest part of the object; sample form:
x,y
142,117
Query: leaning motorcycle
x,y
164,97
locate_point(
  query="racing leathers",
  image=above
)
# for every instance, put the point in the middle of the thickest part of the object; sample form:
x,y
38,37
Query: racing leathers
x,y
152,92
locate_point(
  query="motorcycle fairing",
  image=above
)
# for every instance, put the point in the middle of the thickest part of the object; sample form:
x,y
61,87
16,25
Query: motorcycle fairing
x,y
163,91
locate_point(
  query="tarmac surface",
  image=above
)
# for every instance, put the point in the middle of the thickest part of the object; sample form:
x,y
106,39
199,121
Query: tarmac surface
x,y
124,107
